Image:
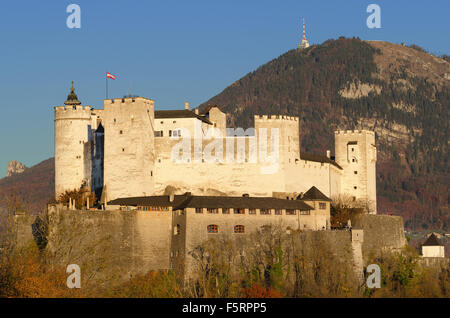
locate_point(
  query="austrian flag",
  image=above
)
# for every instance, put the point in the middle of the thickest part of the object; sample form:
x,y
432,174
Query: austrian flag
x,y
109,75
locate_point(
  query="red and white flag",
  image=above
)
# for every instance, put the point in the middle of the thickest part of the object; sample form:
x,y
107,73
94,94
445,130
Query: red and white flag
x,y
109,75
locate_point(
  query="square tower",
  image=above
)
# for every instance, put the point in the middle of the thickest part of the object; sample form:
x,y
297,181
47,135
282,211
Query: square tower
x,y
356,153
128,147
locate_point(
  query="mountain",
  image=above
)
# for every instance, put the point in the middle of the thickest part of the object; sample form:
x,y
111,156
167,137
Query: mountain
x,y
35,186
400,92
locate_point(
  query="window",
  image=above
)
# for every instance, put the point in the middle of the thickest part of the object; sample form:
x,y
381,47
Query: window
x,y
304,212
322,206
198,210
162,122
151,173
177,229
355,187
290,212
264,211
121,132
158,133
212,228
212,210
239,229
170,133
355,172
278,212
251,211
174,121
225,211
123,149
239,211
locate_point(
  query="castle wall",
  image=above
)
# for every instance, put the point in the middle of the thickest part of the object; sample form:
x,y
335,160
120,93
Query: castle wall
x,y
129,147
356,153
110,245
72,132
380,232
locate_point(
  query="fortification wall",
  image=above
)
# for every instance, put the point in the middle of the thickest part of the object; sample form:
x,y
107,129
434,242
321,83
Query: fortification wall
x,y
380,232
110,245
239,175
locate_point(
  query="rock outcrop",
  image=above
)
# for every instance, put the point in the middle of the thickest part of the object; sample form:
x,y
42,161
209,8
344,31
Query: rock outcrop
x,y
15,167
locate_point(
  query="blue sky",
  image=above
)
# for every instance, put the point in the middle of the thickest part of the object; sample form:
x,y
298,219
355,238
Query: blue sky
x,y
170,51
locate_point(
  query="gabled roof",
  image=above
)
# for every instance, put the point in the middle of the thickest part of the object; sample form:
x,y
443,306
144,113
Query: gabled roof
x,y
242,202
156,200
318,158
314,194
432,241
208,108
191,201
181,113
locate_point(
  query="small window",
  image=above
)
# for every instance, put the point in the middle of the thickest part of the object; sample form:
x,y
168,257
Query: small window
x,y
304,212
290,212
213,228
162,122
151,173
264,211
322,206
225,211
114,120
278,212
177,229
198,210
212,210
239,211
353,149
355,172
251,211
174,121
170,133
239,229
121,132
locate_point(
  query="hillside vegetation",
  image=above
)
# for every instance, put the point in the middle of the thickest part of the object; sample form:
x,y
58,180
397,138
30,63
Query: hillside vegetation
x,y
402,93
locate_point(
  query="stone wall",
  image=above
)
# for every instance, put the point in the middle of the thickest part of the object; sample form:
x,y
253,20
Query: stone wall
x,y
380,232
110,245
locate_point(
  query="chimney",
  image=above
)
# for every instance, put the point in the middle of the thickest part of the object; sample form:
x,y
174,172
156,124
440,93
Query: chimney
x,y
196,111
186,106
171,197
328,154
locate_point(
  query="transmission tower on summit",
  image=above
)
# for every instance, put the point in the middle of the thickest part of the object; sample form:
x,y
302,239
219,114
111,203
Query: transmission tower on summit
x,y
304,43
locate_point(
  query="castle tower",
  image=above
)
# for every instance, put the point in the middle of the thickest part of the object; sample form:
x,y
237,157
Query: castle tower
x,y
72,130
356,153
304,43
128,147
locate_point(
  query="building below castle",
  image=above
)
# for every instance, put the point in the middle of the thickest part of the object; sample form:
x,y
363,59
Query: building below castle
x,y
128,149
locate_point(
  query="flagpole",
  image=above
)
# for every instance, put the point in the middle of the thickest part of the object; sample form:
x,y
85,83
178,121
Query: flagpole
x,y
106,85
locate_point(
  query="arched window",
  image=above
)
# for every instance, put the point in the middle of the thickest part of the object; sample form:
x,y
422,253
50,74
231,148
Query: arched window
x,y
213,228
177,229
239,229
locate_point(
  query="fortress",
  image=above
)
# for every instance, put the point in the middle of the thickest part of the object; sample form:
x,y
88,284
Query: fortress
x,y
129,149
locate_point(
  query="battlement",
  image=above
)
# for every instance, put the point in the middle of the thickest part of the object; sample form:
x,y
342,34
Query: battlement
x,y
73,112
274,117
128,100
354,132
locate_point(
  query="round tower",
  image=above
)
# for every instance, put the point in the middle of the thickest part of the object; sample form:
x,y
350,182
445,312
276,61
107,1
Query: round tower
x,y
72,124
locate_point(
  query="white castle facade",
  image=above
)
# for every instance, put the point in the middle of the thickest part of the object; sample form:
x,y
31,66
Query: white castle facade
x,y
127,149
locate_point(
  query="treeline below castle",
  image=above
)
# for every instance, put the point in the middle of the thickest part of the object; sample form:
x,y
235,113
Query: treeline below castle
x,y
268,264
